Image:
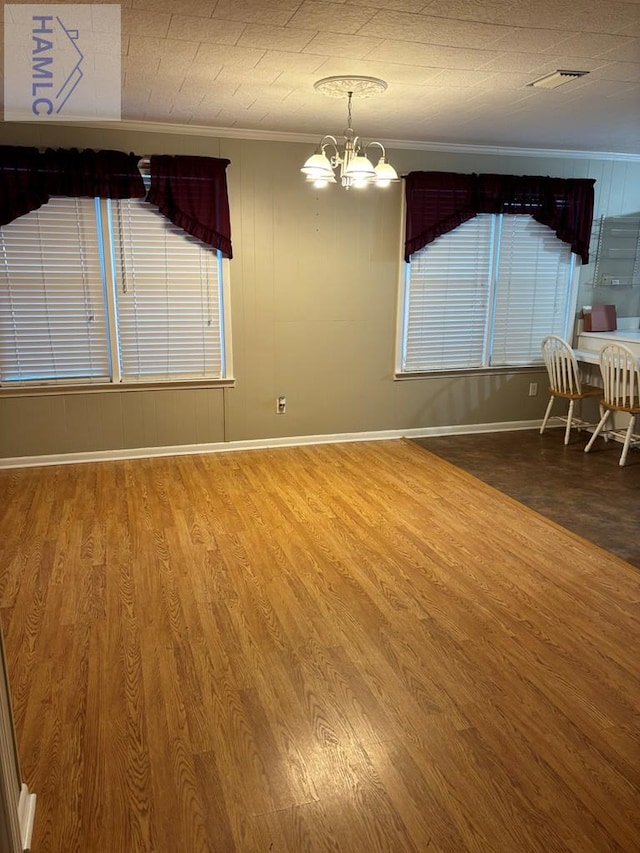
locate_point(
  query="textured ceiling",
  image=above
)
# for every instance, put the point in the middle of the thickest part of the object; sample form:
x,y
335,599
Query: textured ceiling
x,y
457,70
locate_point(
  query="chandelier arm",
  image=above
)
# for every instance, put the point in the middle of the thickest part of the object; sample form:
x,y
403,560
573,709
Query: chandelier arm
x,y
329,141
379,144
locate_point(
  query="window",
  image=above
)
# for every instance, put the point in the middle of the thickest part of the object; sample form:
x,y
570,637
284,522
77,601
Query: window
x,y
108,291
484,295
52,309
168,300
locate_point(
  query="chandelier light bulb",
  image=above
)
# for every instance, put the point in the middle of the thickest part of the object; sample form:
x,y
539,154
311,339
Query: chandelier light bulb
x,y
318,166
360,168
385,173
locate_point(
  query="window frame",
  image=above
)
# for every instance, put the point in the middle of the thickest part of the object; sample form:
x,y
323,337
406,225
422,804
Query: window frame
x,y
402,319
110,283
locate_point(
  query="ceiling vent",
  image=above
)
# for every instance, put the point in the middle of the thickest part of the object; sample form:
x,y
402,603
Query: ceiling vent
x,y
557,78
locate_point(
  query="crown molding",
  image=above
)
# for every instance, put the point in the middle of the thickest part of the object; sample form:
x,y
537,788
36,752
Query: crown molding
x,y
282,136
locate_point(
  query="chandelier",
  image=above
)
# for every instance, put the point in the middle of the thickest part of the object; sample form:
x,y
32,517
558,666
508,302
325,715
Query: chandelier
x,y
351,164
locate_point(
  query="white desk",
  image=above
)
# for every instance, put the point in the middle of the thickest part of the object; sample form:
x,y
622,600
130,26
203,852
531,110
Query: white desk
x,y
590,343
588,351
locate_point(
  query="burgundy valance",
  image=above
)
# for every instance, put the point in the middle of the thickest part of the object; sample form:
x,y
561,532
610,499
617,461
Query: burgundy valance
x,y
192,193
91,174
189,191
437,202
28,178
21,185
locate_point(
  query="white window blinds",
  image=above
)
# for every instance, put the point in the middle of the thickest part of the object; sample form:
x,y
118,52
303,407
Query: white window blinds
x,y
532,290
448,299
99,291
485,294
169,298
52,308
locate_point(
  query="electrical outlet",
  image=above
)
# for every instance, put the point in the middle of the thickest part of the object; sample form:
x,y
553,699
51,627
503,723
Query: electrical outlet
x,y
533,389
281,405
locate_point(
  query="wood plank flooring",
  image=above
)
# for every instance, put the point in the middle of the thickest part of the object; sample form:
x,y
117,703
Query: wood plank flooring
x,y
351,648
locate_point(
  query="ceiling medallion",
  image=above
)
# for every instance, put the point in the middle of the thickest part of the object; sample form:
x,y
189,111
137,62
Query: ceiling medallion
x,y
339,87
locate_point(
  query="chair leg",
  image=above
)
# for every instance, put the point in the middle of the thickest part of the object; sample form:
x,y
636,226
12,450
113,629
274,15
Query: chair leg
x,y
567,431
627,440
598,429
602,410
546,414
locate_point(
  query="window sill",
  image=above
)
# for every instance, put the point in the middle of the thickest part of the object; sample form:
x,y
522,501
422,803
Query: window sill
x,y
472,371
111,387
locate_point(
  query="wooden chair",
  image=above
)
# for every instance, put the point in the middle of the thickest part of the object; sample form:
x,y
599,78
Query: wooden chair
x,y
565,382
620,370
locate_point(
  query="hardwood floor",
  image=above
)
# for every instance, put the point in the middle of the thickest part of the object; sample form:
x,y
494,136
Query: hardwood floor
x,y
352,648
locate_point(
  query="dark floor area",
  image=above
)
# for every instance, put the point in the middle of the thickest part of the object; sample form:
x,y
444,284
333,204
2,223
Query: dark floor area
x,y
587,493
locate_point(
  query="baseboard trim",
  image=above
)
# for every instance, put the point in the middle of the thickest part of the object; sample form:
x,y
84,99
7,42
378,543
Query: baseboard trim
x,y
26,816
259,444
